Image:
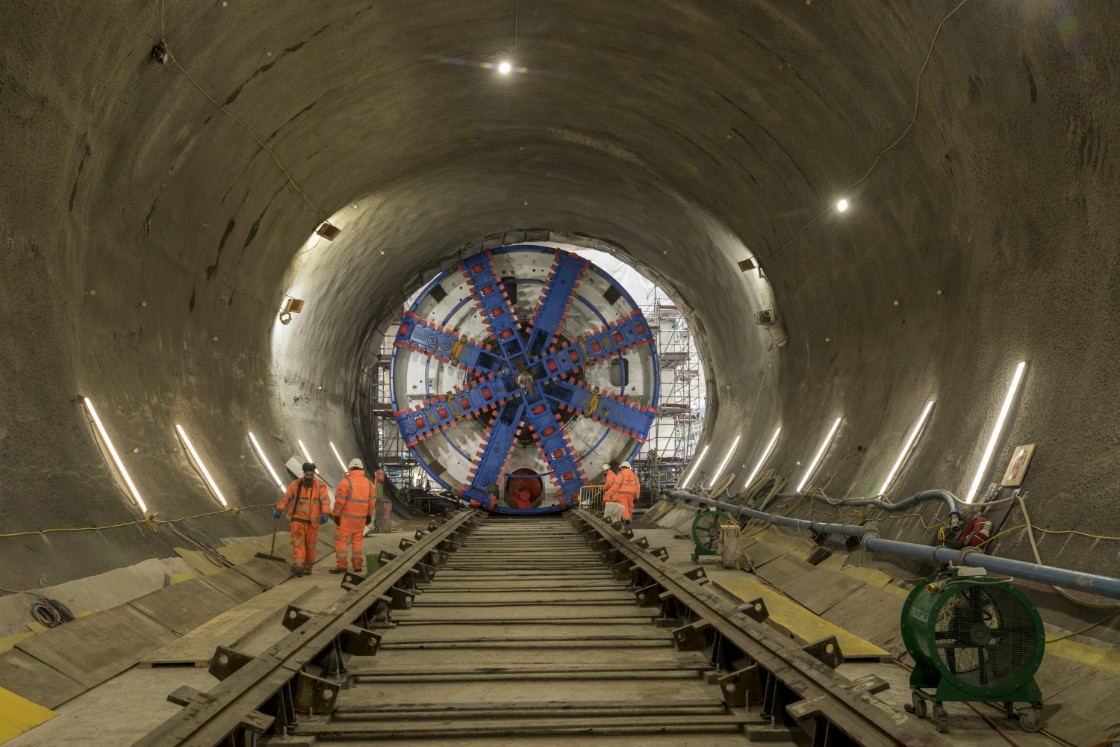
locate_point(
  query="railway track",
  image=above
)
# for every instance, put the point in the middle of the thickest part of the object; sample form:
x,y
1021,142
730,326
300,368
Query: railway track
x,y
549,630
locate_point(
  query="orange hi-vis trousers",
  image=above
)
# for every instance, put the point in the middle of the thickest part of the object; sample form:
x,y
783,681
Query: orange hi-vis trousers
x,y
348,534
304,539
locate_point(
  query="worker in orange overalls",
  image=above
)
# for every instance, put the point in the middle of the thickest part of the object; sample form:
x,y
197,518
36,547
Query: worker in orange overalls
x,y
310,507
354,501
629,488
612,503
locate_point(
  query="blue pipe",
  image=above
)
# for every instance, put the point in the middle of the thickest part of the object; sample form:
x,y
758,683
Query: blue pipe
x,y
1087,582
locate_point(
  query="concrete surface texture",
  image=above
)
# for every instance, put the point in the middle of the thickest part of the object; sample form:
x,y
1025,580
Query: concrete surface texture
x,y
149,238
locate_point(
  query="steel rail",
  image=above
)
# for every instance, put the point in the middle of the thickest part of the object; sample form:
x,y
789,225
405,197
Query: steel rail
x,y
821,692
257,693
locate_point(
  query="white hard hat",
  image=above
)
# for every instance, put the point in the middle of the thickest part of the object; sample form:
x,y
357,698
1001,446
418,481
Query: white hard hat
x,y
625,465
356,464
606,467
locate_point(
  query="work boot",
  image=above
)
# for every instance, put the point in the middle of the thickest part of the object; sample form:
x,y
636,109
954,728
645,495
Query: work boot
x,y
338,570
307,570
297,570
358,571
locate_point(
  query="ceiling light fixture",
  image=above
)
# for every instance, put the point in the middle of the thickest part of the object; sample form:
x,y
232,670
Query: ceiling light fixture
x,y
264,460
202,467
762,459
987,458
328,231
906,449
504,67
817,458
116,457
842,205
695,464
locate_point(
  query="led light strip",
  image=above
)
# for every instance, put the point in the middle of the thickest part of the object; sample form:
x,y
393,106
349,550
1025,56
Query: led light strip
x,y
336,456
202,467
906,449
116,457
303,449
726,459
695,464
762,459
264,460
987,458
817,458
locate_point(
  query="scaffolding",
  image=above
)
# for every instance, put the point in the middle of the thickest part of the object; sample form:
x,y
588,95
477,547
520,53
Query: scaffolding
x,y
672,440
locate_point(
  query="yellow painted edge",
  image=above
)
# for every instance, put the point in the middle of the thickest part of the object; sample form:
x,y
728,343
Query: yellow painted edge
x,y
8,643
18,715
1098,658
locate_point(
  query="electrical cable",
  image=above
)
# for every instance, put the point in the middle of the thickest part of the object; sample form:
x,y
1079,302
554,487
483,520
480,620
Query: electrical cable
x,y
149,521
51,612
174,61
896,142
1038,559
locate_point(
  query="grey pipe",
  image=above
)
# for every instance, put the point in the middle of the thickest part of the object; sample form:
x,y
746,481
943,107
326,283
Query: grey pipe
x,y
847,530
943,495
1088,582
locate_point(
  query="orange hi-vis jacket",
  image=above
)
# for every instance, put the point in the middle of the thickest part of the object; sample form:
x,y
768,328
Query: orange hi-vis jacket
x,y
311,501
611,485
354,498
628,490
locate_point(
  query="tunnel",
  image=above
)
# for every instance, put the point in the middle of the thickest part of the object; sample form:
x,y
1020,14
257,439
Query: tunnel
x,y
860,208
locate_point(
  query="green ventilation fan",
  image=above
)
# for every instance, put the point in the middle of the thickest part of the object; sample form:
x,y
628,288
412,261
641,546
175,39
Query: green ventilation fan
x,y
973,638
705,532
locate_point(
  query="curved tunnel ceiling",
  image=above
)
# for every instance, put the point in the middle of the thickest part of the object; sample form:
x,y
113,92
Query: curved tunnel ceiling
x,y
151,239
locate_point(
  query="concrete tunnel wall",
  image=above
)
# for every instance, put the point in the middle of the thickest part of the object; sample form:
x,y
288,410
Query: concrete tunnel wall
x,y
149,240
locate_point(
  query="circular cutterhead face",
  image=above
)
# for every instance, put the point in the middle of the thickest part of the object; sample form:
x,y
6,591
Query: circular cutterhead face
x,y
526,360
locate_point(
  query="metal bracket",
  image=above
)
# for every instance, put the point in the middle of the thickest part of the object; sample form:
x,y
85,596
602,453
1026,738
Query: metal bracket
x,y
186,695
642,542
226,661
698,575
755,610
608,556
741,688
257,722
350,580
385,556
621,569
692,637
419,534
648,596
870,684
359,642
315,694
827,651
660,552
295,617
600,544
402,598
405,544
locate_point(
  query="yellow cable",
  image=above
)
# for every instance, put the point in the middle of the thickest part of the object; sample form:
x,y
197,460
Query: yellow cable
x,y
150,521
1083,630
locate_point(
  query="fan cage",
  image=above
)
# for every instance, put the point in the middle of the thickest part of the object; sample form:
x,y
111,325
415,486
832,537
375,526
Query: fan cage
x,y
985,636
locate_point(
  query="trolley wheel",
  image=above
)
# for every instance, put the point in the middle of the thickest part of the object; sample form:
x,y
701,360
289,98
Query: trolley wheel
x,y
918,705
694,558
1030,719
940,718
